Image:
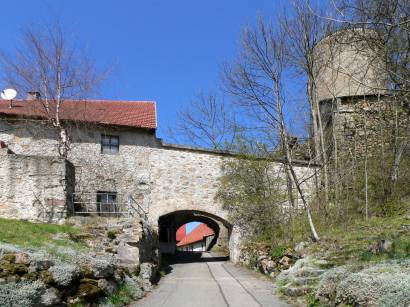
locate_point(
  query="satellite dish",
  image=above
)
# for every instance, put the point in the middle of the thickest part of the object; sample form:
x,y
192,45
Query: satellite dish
x,y
8,94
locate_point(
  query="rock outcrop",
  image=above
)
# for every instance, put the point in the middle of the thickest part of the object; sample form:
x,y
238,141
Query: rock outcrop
x,y
67,276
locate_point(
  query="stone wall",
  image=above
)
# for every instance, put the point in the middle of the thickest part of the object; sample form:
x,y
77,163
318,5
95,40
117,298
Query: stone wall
x,y
35,187
185,179
161,178
364,125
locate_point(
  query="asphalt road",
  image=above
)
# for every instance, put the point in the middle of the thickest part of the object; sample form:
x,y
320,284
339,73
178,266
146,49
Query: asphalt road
x,y
209,281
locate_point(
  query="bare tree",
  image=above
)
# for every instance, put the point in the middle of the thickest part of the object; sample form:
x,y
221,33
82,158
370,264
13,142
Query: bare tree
x,y
208,122
256,80
47,62
304,30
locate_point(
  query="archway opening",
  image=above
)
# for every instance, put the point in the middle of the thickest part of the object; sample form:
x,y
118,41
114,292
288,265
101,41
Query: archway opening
x,y
195,237
210,232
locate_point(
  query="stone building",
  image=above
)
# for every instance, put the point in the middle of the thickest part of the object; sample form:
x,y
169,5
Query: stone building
x,y
115,164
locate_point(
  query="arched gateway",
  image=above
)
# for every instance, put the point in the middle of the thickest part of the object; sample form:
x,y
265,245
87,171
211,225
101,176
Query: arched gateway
x,y
114,162
169,223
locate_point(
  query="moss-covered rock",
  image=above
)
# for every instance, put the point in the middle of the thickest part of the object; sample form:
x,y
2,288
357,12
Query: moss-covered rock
x,y
32,276
46,277
88,291
89,281
13,269
11,258
87,272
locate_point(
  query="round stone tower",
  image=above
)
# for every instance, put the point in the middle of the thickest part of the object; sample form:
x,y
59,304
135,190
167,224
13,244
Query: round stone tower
x,y
347,63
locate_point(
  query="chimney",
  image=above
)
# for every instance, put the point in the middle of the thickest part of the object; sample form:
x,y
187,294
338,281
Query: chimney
x,y
33,96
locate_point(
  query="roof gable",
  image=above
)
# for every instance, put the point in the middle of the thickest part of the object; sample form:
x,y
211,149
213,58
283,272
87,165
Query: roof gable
x,y
197,234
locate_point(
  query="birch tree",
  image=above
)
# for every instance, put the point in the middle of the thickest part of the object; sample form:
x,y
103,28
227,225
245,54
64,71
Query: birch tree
x,y
256,81
49,63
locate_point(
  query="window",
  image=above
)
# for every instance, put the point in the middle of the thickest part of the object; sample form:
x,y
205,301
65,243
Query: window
x,y
106,202
110,144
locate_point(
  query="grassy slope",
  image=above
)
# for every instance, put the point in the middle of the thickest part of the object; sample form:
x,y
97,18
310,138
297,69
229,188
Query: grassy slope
x,y
351,242
37,235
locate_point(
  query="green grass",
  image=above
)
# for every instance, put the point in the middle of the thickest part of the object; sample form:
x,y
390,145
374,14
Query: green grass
x,y
121,297
347,241
27,234
351,242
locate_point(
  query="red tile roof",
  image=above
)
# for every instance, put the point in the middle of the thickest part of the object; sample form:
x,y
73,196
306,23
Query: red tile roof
x,y
181,233
197,234
137,114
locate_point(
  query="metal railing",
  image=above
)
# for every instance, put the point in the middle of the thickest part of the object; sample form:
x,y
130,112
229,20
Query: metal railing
x,y
106,204
136,207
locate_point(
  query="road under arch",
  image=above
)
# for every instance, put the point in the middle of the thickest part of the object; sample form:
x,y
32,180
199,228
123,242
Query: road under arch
x,y
169,223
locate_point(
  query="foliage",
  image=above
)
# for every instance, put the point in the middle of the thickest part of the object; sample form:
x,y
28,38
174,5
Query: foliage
x,y
385,198
122,297
22,294
251,191
382,284
278,252
64,273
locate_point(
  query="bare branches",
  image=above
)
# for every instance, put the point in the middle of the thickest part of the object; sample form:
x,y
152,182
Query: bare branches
x,y
209,122
256,81
48,63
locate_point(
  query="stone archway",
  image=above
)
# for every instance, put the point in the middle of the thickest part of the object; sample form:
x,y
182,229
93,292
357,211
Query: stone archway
x,y
170,222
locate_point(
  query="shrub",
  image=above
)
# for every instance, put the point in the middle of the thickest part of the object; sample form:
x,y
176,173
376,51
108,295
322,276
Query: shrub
x,y
122,297
22,294
64,273
278,252
382,284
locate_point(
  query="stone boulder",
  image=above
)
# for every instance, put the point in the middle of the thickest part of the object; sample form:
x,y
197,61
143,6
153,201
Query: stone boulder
x,y
301,246
128,254
40,265
148,271
101,268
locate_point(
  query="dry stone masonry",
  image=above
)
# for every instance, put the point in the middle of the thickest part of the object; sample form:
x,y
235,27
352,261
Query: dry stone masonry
x,y
160,178
35,187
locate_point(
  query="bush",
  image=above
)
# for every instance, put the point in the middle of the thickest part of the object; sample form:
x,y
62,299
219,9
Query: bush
x,y
278,252
64,273
122,297
382,284
22,294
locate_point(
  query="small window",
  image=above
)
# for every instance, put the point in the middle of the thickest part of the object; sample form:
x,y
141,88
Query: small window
x,y
107,202
110,144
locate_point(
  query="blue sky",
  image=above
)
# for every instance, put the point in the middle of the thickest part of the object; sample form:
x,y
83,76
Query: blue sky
x,y
165,51
190,226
